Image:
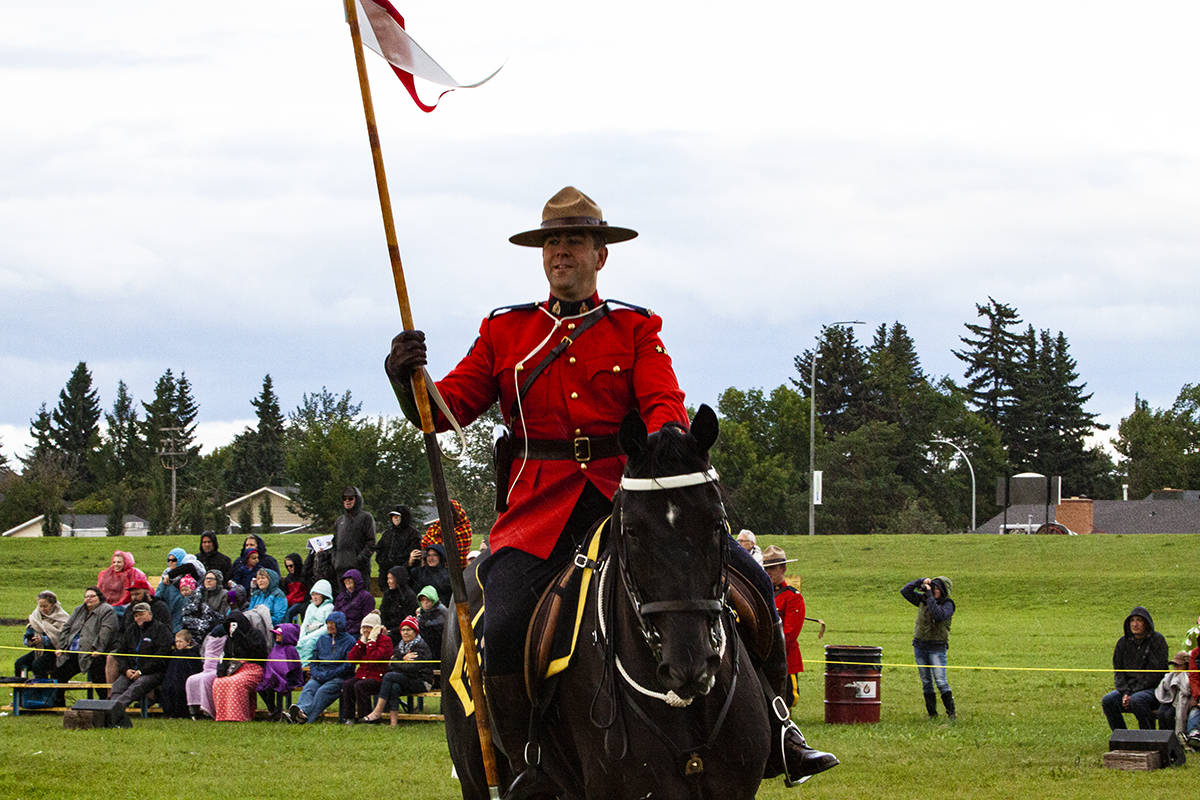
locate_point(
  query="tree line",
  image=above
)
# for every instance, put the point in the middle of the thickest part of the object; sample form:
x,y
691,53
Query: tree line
x,y
1021,406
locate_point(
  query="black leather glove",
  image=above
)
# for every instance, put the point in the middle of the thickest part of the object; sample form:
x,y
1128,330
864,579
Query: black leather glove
x,y
407,354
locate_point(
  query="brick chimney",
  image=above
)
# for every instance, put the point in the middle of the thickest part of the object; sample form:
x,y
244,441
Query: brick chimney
x,y
1075,513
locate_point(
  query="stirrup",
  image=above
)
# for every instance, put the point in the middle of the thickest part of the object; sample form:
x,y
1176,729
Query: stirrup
x,y
787,779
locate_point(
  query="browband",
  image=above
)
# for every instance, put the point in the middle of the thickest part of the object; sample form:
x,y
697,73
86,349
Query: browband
x,y
669,481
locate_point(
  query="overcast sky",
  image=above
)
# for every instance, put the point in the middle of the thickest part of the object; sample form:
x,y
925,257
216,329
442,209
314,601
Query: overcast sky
x,y
193,189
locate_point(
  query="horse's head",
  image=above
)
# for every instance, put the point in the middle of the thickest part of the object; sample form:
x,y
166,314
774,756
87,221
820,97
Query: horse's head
x,y
671,548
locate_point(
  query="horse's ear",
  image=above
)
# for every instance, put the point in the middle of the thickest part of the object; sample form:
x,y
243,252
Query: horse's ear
x,y
704,427
632,435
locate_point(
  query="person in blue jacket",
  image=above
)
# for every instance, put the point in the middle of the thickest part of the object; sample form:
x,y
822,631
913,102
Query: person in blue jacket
x,y
267,593
327,670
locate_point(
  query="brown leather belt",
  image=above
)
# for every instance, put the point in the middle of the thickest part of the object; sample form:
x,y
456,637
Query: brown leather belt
x,y
582,448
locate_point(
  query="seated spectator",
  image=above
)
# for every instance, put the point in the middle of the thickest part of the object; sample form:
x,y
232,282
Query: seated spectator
x,y
139,592
238,598
282,672
318,565
46,623
91,628
1174,695
245,569
210,555
266,592
371,651
749,543
1141,648
1193,720
206,607
168,589
432,571
355,600
140,661
409,672
255,541
115,581
398,600
172,694
294,587
313,626
187,588
239,672
199,686
431,616
328,669
396,544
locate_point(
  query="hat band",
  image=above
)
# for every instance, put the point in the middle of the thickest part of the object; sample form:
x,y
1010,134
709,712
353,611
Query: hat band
x,y
574,222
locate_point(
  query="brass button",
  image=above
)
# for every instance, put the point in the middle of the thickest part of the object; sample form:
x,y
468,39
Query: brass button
x,y
578,431
574,395
583,466
570,326
571,360
520,367
616,367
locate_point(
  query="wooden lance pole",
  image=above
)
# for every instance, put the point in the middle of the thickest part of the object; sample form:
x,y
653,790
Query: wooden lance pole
x,y
432,449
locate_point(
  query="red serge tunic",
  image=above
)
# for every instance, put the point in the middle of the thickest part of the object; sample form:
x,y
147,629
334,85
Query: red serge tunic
x,y
790,605
617,365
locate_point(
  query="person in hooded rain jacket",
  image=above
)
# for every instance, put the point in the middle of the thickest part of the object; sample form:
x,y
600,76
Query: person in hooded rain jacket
x,y
313,627
239,672
264,560
327,670
353,535
283,672
114,582
432,572
354,600
207,606
267,593
431,616
396,544
172,694
372,651
46,623
398,601
210,554
931,638
1139,661
294,586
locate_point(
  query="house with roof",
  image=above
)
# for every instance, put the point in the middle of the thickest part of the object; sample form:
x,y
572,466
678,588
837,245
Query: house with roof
x,y
79,525
1164,511
283,519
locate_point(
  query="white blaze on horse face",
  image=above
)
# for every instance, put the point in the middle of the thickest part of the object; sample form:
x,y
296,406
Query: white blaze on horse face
x,y
672,513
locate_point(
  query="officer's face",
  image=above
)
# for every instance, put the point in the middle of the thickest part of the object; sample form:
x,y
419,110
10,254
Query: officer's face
x,y
571,261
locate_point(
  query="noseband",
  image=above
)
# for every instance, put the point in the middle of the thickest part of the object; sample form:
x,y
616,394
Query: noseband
x,y
644,611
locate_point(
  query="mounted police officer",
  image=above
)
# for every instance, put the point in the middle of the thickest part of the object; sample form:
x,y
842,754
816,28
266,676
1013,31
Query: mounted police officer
x,y
565,371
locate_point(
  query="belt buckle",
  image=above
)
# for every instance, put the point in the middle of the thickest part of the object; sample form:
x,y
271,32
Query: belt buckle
x,y
582,447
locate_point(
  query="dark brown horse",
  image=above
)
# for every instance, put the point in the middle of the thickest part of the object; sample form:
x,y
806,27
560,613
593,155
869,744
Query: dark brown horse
x,y
660,698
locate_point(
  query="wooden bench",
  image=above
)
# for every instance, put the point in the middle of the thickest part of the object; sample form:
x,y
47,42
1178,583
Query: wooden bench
x,y
90,687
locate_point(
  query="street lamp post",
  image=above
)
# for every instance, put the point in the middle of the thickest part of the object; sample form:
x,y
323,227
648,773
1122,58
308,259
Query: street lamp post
x,y
812,423
962,453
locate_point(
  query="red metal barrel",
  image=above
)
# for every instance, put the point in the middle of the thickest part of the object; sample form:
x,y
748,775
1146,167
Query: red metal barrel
x,y
852,686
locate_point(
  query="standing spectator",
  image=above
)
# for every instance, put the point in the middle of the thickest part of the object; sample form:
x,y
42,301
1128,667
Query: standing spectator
x,y
749,543
87,635
45,626
294,587
210,554
931,638
409,672
431,618
267,593
315,616
397,543
372,651
186,663
398,600
140,662
239,672
115,581
790,605
355,601
432,571
282,672
328,669
353,535
1141,648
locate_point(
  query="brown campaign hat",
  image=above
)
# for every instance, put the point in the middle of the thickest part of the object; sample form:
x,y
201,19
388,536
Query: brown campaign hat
x,y
571,210
774,556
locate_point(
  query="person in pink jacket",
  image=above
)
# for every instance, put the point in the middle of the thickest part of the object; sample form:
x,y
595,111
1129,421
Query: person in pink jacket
x,y
115,581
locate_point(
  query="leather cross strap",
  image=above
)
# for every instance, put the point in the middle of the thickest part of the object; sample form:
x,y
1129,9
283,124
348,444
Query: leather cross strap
x,y
581,448
598,314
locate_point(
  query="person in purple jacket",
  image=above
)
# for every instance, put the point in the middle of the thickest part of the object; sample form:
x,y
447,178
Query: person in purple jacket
x,y
355,600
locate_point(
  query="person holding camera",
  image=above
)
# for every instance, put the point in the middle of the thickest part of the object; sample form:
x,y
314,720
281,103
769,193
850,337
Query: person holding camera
x,y
931,638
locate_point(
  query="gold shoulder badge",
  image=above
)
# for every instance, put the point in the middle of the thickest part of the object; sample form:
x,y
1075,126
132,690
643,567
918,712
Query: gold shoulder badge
x,y
658,348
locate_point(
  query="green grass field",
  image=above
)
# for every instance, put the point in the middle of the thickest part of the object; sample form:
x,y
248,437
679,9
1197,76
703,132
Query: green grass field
x,y
1053,604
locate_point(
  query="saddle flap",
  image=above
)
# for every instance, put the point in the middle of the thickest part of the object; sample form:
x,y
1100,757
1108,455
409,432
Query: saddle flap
x,y
754,619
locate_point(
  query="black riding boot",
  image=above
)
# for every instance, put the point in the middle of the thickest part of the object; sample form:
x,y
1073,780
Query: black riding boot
x,y
510,711
790,753
948,702
931,704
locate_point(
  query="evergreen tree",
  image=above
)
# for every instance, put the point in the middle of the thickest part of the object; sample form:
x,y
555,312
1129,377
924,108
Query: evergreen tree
x,y
41,428
270,434
840,379
186,410
991,356
245,519
120,450
76,428
265,519
115,525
